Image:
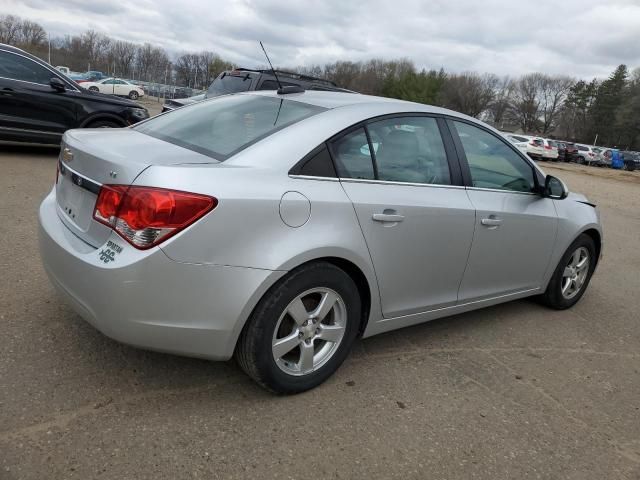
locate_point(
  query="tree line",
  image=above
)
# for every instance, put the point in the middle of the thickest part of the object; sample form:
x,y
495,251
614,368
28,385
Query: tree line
x,y
606,112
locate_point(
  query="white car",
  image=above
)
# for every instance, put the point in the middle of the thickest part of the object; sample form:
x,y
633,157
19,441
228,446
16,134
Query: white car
x,y
588,154
115,86
550,151
532,146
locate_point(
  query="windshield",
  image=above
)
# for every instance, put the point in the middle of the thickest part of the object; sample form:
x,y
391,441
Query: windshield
x,y
222,127
228,83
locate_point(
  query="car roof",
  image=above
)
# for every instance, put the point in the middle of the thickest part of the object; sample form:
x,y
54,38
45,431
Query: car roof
x,y
330,100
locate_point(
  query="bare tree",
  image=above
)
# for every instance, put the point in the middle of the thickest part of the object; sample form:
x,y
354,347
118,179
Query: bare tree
x,y
32,34
10,29
469,93
526,102
552,94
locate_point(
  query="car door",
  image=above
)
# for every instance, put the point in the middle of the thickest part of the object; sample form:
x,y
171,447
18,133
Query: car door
x,y
107,86
122,87
515,227
29,106
416,217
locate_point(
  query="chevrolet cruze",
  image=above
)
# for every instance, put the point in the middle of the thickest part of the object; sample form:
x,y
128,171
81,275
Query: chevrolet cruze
x,y
276,228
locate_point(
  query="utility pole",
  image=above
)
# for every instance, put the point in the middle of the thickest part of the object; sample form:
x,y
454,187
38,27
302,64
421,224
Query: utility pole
x,y
49,38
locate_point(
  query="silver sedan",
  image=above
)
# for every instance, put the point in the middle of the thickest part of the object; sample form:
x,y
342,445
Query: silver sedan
x,y
276,228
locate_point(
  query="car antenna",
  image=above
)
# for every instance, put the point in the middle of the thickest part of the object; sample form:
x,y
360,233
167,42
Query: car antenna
x,y
281,90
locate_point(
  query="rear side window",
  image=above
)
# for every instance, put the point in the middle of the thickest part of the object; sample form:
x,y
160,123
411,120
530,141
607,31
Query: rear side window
x,y
582,148
352,156
224,126
317,164
16,67
409,149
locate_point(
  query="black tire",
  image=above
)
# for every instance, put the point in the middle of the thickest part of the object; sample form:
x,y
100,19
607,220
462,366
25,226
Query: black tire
x,y
553,296
133,95
580,160
94,89
254,349
104,124
631,166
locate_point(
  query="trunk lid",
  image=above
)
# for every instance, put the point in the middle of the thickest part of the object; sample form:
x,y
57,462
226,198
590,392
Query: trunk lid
x,y
93,157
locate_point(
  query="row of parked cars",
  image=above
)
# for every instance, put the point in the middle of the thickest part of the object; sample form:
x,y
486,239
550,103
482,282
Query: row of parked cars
x,y
548,149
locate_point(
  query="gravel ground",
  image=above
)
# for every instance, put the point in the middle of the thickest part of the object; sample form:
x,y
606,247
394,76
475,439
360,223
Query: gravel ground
x,y
509,392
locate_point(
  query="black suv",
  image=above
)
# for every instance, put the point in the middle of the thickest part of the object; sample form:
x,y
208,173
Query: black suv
x,y
38,103
243,80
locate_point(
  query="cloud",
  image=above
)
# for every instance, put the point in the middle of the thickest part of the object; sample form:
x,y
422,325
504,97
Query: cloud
x,y
580,38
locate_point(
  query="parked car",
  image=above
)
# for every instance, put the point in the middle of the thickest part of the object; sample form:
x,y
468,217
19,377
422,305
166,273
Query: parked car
x,y
193,232
631,160
588,155
550,150
534,145
243,80
520,142
116,86
562,150
39,103
64,70
571,152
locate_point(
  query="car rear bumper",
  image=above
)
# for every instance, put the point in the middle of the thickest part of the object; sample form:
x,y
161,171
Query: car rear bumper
x,y
145,299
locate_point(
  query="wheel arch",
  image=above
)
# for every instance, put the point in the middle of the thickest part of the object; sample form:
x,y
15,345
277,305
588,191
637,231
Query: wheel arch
x,y
102,116
597,240
367,291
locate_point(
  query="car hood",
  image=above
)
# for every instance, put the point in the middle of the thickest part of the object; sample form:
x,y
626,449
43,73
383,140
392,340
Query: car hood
x,y
111,99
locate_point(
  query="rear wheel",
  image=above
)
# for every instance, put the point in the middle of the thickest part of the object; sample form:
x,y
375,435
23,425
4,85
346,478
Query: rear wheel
x,y
580,160
133,95
93,89
572,275
302,329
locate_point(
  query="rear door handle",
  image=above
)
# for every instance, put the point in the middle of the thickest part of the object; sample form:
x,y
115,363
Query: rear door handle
x,y
387,217
491,222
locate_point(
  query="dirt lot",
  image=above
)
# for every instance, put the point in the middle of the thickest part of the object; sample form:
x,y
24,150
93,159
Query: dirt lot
x,y
508,392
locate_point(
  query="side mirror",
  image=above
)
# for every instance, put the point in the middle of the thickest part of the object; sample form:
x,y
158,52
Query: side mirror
x,y
57,84
555,188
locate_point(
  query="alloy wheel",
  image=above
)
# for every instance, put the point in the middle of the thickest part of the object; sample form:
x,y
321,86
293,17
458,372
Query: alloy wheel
x,y
309,331
575,273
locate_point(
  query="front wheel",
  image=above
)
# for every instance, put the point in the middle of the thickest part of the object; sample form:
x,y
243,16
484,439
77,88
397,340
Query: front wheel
x,y
93,89
572,275
301,330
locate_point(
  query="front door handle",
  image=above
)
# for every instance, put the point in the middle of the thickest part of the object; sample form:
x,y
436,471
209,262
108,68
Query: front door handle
x,y
388,217
491,222
6,91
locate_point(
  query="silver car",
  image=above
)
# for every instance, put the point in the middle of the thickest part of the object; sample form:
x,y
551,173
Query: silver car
x,y
278,228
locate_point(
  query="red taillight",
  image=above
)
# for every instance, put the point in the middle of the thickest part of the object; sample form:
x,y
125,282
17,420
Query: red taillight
x,y
591,154
147,216
532,143
547,147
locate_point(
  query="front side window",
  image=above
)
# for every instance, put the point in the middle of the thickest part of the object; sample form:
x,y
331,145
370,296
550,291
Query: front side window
x,y
409,149
17,67
352,156
224,126
492,162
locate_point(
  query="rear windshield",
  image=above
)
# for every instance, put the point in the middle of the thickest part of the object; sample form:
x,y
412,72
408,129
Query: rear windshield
x,y
228,83
222,127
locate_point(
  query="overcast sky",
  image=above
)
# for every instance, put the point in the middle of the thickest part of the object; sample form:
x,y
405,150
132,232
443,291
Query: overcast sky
x,y
582,38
